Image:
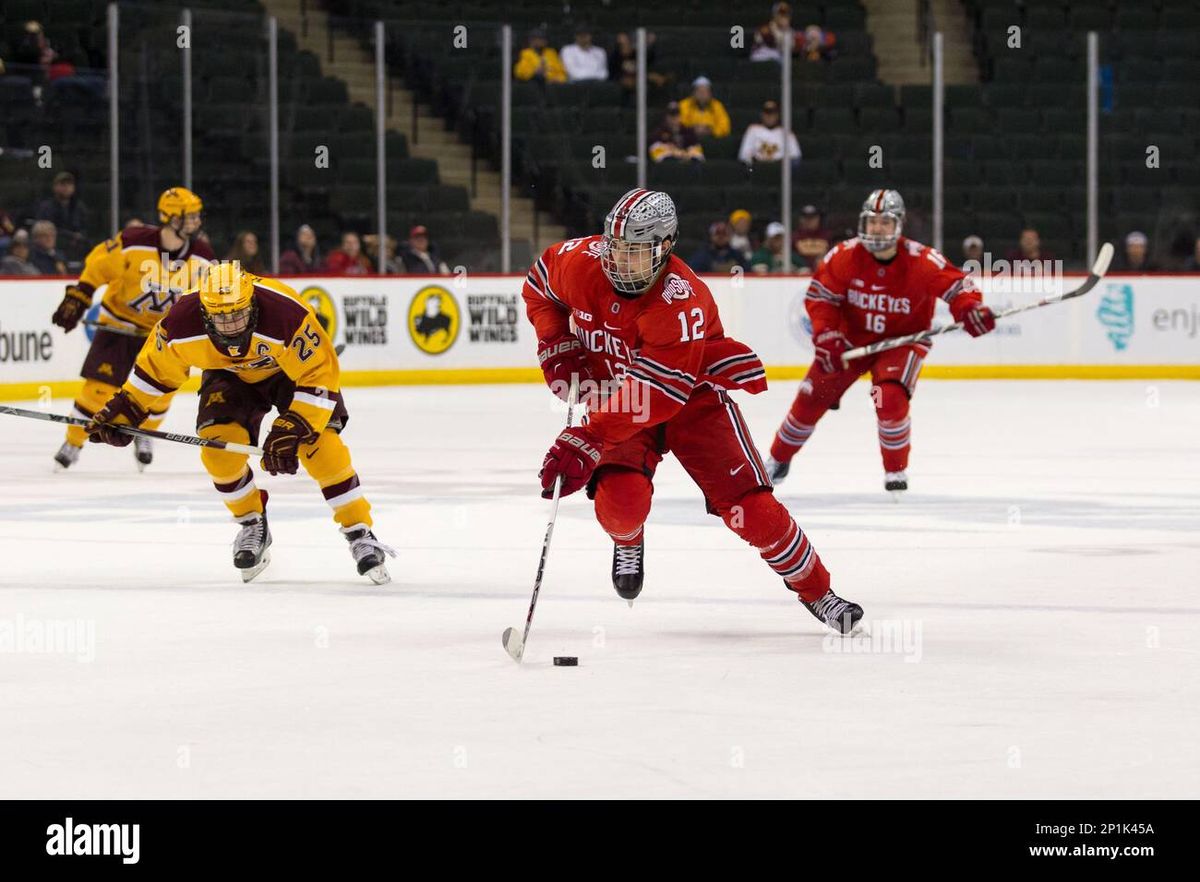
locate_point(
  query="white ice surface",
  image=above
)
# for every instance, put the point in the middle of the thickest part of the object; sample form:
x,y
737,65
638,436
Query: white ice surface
x,y
1048,554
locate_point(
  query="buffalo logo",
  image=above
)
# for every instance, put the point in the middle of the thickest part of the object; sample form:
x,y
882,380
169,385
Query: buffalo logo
x,y
433,319
322,304
1116,314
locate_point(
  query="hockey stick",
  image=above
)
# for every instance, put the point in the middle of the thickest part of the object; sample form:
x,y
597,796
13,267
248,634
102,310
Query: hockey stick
x,y
115,329
231,446
514,643
1099,268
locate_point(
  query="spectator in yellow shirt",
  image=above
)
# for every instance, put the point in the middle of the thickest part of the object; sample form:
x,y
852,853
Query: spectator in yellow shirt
x,y
703,113
539,62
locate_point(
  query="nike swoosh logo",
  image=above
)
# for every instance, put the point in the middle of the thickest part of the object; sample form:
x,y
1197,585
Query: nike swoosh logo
x,y
311,455
610,327
878,287
733,472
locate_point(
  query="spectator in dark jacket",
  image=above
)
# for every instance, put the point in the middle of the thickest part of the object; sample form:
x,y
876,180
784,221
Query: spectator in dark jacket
x,y
304,256
245,250
421,256
719,255
45,254
16,262
1136,256
674,140
68,214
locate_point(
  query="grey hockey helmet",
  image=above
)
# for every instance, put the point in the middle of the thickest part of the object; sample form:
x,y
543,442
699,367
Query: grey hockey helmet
x,y
635,233
881,203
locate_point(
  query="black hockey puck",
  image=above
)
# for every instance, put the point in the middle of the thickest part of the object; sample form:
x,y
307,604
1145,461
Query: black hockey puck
x,y
566,661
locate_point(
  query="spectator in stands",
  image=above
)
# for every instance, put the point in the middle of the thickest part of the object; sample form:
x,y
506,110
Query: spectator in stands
x,y
34,52
811,240
768,39
972,249
769,258
539,62
818,44
763,140
304,256
1192,264
582,60
702,113
718,256
741,236
622,63
1029,247
421,256
348,260
391,265
16,262
245,249
8,227
45,254
1136,259
68,214
675,141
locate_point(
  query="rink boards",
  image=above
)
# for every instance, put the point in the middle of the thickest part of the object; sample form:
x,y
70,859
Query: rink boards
x,y
472,329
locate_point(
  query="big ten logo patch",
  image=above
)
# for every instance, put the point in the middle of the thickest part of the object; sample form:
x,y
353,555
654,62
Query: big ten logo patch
x,y
326,310
433,319
493,318
799,323
1115,313
366,319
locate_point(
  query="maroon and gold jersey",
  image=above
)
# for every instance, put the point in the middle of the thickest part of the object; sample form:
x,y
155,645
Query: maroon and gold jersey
x,y
143,278
870,300
287,338
656,347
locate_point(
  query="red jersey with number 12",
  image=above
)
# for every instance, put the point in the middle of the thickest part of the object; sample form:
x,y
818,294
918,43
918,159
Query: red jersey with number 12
x,y
665,342
869,300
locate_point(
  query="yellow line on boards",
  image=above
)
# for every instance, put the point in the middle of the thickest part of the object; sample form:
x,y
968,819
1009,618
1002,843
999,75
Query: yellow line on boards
x,y
479,376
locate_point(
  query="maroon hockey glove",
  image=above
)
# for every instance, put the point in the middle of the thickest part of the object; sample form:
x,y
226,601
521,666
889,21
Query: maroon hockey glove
x,y
74,304
830,345
281,449
574,456
560,358
979,321
121,410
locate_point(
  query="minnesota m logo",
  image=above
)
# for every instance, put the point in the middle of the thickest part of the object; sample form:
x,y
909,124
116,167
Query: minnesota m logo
x,y
150,301
215,398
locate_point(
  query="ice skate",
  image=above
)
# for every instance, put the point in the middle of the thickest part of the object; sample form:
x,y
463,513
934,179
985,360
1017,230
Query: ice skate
x,y
628,570
777,470
251,548
895,483
67,456
143,452
369,553
835,612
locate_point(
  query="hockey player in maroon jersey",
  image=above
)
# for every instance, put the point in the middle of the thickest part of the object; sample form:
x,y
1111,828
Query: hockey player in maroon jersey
x,y
869,288
642,333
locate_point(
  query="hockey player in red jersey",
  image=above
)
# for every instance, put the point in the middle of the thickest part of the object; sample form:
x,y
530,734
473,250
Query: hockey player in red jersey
x,y
869,288
642,333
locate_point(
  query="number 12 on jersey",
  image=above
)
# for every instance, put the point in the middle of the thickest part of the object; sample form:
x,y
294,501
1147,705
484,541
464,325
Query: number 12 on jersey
x,y
697,328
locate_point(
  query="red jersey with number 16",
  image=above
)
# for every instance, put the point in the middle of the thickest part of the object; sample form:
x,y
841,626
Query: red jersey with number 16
x,y
869,300
659,346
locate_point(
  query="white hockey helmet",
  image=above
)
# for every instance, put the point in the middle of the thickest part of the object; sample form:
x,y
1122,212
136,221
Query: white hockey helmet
x,y
636,231
881,203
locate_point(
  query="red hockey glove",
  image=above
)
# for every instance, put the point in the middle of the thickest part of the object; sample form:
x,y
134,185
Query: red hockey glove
x,y
74,304
121,410
979,321
574,456
560,358
830,346
281,449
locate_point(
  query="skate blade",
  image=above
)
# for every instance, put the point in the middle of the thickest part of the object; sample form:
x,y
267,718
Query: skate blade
x,y
253,571
896,495
630,602
379,575
514,644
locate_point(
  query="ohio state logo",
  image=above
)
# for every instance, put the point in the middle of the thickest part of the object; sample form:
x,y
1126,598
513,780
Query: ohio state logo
x,y
676,288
